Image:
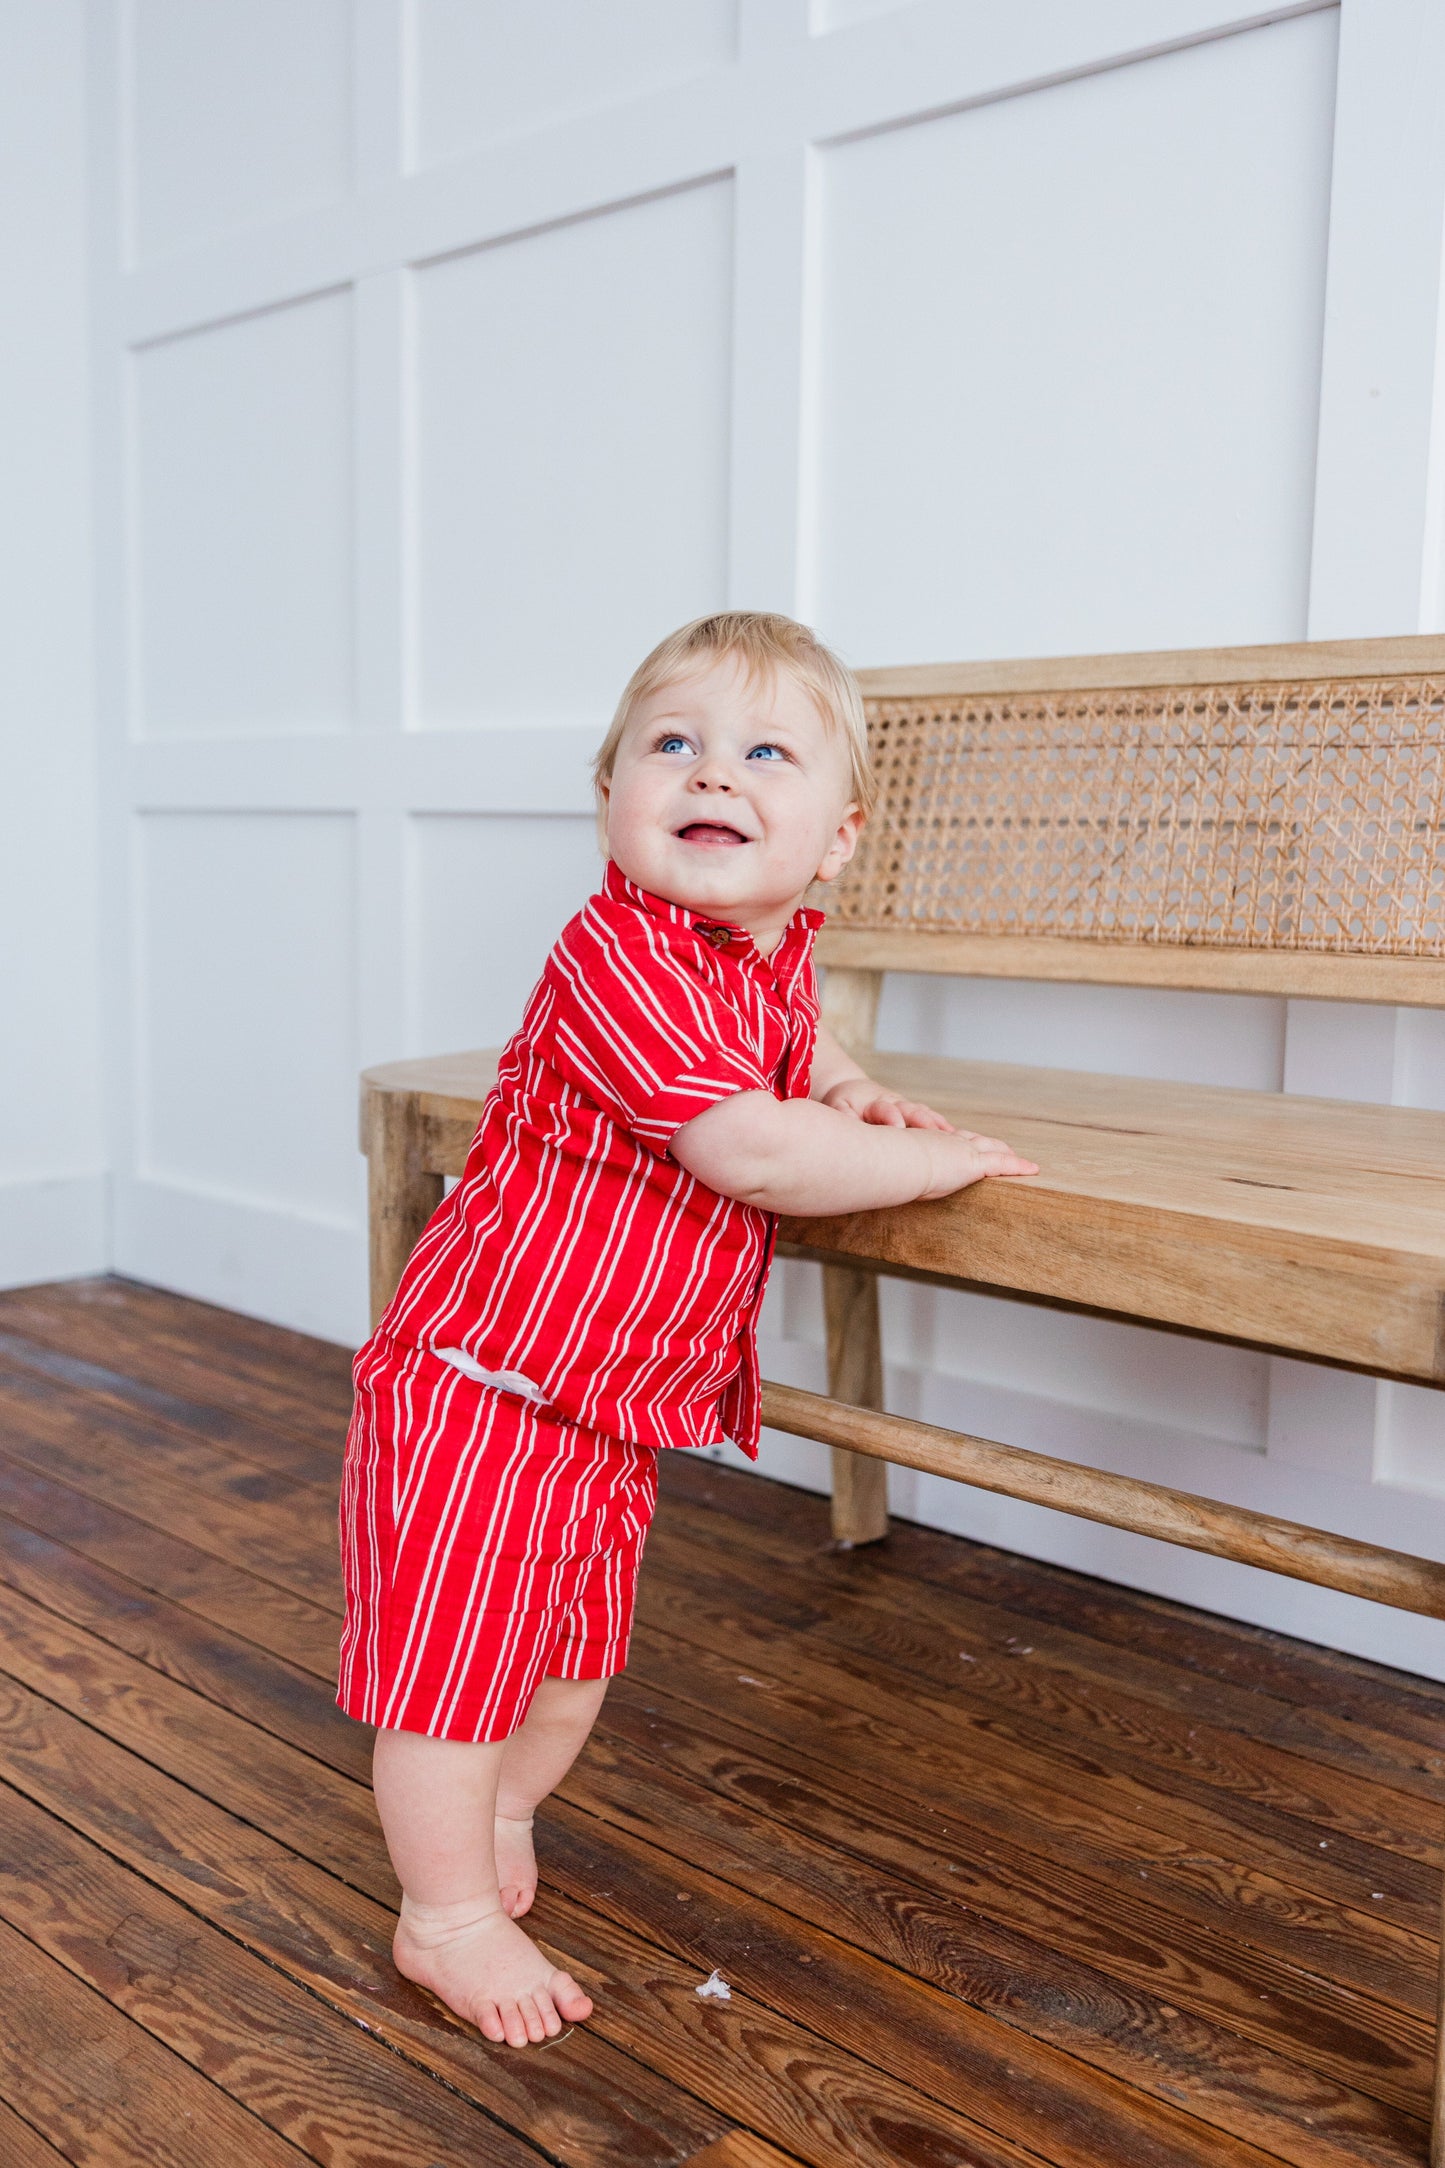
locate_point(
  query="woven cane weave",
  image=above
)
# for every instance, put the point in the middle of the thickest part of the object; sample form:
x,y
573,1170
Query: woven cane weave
x,y
1301,816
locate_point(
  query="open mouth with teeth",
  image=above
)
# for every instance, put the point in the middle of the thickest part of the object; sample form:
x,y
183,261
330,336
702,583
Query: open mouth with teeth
x,y
711,833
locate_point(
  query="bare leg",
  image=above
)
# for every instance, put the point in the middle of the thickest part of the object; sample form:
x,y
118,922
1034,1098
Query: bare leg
x,y
534,1761
437,1800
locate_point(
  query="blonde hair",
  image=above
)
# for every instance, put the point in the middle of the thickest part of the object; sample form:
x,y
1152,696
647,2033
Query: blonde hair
x,y
765,643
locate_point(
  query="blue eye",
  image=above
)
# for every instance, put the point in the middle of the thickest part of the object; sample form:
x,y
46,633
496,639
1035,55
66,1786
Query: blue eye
x,y
772,750
670,742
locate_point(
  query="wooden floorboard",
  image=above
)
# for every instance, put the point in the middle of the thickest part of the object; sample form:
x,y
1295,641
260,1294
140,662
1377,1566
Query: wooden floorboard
x,y
930,1631
1006,1867
1197,1643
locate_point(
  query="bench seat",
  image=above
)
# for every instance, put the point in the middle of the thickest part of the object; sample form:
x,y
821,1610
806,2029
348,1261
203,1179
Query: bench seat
x,y
1306,1226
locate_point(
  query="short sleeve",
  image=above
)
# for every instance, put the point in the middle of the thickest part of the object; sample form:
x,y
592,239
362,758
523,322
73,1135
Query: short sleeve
x,y
638,1027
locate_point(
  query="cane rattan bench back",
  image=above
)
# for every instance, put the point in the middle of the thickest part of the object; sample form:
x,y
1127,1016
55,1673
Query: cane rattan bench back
x,y
1260,820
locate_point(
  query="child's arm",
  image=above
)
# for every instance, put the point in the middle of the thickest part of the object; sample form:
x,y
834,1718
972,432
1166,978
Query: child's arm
x,y
838,1082
797,1156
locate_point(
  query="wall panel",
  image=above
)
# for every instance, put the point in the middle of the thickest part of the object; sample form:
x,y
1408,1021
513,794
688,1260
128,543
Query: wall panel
x,y
1069,361
488,897
484,69
246,973
572,457
1235,1039
244,530
53,1186
237,114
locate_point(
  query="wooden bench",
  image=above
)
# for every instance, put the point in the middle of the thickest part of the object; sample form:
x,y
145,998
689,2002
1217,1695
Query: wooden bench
x,y
1257,820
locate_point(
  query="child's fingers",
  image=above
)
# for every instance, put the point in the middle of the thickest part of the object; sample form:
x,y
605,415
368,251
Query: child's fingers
x,y
918,1116
1004,1161
885,1114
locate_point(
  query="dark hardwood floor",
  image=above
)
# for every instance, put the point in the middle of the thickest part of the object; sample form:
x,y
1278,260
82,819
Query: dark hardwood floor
x,y
1004,1866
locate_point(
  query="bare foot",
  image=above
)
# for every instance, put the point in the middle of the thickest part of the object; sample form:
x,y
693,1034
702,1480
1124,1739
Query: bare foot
x,y
516,1865
482,1966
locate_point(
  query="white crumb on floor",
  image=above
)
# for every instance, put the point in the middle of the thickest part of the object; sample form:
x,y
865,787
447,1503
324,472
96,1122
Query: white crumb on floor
x,y
715,1988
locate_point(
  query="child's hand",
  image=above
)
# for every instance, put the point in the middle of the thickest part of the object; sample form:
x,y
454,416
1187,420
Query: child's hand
x,y
870,1102
963,1157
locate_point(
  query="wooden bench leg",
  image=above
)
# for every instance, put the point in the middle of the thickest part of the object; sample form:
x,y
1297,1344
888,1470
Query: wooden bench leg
x,y
402,1192
855,1374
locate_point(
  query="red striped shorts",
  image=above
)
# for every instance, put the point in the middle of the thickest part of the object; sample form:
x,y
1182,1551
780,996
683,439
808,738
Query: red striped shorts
x,y
485,1546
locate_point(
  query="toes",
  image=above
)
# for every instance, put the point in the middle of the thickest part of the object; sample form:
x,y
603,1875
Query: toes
x,y
569,1998
487,2019
523,1903
514,2025
532,2018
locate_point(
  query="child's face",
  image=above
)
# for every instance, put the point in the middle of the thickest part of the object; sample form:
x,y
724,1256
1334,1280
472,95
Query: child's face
x,y
731,798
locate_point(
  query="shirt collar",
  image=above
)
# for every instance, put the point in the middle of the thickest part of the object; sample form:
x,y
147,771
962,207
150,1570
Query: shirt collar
x,y
617,885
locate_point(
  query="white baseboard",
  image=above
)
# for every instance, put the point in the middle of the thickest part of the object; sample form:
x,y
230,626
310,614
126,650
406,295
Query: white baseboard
x,y
54,1228
286,1267
1373,1512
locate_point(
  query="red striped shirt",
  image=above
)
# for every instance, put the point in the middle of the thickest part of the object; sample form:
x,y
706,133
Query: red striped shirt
x,y
574,1255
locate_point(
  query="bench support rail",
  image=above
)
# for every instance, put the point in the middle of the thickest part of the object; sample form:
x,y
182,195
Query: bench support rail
x,y
1120,1501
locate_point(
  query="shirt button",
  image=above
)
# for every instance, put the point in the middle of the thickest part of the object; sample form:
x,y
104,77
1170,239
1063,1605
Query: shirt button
x,y
717,935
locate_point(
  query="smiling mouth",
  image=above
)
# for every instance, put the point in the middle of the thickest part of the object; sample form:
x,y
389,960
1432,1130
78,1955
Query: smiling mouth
x,y
710,833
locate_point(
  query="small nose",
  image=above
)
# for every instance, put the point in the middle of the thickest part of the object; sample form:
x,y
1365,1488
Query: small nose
x,y
711,775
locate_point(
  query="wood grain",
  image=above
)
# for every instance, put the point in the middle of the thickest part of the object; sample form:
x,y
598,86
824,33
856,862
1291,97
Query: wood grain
x,y
21,2146
228,1596
919,1627
402,1193
943,1757
1151,1509
740,2149
1398,1833
259,1443
238,1515
1310,1226
903,2032
1406,981
583,2102
1282,663
134,1331
293,1799
1107,1891
1134,2030
929,1895
855,1375
273,1702
101,2090
293,2062
850,1300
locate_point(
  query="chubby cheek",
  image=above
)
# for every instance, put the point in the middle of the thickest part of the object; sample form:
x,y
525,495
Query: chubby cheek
x,y
632,816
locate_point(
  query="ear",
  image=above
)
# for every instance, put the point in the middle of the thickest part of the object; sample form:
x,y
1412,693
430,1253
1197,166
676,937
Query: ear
x,y
843,845
604,799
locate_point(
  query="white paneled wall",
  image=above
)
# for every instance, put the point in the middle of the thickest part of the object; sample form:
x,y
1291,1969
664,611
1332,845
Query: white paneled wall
x,y
53,1192
571,457
448,352
484,70
242,568
486,894
236,114
1069,359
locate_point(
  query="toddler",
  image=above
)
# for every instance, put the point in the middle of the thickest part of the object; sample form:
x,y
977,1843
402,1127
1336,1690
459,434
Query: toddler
x,y
589,1291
